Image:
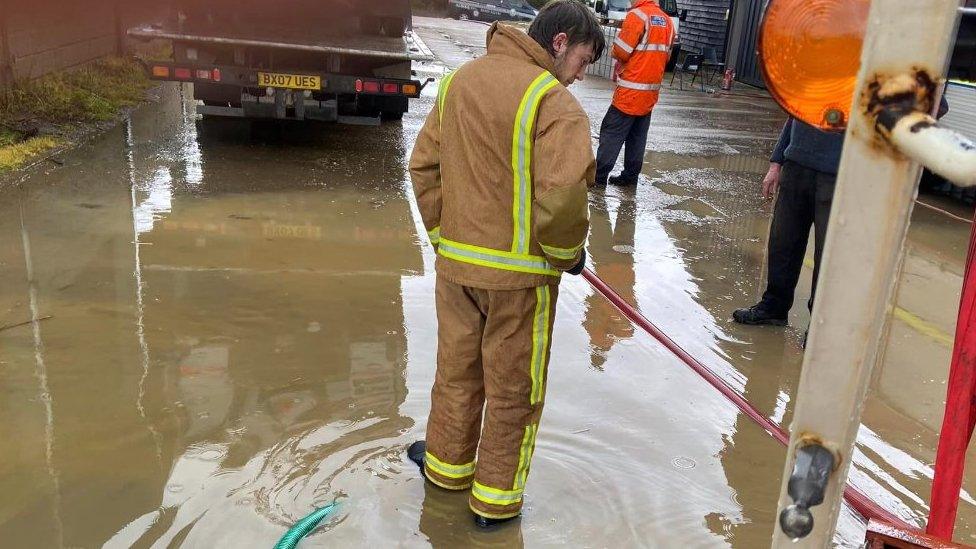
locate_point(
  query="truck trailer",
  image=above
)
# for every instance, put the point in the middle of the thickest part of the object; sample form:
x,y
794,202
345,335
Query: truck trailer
x,y
346,61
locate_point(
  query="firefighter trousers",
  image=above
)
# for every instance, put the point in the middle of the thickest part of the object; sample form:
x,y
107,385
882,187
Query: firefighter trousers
x,y
492,357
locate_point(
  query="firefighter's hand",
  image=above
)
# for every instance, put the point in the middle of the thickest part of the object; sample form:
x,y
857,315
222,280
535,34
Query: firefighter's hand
x,y
770,183
579,266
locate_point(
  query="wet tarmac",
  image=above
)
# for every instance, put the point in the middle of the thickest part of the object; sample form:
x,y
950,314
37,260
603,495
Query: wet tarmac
x,y
238,327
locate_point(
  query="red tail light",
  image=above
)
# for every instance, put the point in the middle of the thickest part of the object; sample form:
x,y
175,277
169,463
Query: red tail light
x,y
371,86
391,88
183,74
160,72
203,75
216,75
359,86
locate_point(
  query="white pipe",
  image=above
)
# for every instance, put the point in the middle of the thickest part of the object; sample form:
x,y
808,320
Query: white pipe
x,y
941,150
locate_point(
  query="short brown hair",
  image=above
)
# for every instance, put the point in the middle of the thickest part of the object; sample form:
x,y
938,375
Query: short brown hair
x,y
572,18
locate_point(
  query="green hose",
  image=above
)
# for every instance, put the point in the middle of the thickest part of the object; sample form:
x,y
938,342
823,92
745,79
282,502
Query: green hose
x,y
304,527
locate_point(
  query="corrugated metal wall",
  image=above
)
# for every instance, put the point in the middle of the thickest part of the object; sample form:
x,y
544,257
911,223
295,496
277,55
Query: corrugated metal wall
x,y
962,109
743,34
705,26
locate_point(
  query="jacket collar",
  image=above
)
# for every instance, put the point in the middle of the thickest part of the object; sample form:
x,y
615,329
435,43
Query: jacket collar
x,y
507,40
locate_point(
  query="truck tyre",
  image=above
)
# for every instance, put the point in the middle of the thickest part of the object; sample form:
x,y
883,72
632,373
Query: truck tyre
x,y
463,15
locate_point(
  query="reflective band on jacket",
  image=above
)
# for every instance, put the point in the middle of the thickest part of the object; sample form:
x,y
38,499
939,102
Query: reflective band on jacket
x,y
496,259
525,456
619,42
446,469
442,93
494,496
540,342
653,47
522,160
561,253
435,235
637,85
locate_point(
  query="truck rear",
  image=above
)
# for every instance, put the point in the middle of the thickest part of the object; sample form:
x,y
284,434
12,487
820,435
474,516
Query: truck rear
x,y
345,61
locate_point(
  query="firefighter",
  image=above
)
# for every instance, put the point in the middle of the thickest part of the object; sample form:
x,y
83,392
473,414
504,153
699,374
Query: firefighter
x,y
500,171
642,49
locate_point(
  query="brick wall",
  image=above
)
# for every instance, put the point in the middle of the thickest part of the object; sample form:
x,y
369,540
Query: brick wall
x,y
42,36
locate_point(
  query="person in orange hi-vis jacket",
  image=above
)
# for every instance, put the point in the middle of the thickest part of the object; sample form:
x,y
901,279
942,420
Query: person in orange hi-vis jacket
x,y
642,50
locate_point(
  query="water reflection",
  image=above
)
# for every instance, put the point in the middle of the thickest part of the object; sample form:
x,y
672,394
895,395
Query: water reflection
x,y
267,368
234,307
611,248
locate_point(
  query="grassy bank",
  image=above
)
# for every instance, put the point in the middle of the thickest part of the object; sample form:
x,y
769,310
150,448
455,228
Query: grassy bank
x,y
39,115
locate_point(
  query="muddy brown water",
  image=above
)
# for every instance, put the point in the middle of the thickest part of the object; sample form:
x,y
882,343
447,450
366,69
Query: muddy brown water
x,y
241,329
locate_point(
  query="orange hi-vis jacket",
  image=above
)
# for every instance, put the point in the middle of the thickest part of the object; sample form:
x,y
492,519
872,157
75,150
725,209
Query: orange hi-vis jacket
x,y
642,47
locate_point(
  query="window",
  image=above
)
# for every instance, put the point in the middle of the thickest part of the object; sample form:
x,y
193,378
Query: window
x,y
669,7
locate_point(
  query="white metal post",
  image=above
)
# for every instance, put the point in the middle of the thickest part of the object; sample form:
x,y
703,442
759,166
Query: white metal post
x,y
872,203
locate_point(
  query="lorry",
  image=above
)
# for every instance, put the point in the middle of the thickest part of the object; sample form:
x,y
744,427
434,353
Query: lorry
x,y
346,61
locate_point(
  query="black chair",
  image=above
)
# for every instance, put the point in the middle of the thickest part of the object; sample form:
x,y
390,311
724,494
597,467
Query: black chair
x,y
692,64
711,66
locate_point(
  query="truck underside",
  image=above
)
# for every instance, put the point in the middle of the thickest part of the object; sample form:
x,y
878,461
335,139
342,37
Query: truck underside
x,y
334,60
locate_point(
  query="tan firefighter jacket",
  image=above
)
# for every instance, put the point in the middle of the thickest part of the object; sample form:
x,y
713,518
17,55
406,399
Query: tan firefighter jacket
x,y
501,168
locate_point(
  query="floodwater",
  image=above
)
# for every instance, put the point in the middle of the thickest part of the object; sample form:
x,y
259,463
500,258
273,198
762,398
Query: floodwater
x,y
235,326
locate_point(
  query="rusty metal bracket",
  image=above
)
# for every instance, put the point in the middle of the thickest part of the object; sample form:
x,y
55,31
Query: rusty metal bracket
x,y
901,105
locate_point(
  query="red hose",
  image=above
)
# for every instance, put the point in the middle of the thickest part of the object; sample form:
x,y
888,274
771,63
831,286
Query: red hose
x,y
861,503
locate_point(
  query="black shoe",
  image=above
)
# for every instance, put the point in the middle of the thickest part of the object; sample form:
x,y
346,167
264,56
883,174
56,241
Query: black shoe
x,y
622,180
806,334
486,523
416,453
600,182
757,316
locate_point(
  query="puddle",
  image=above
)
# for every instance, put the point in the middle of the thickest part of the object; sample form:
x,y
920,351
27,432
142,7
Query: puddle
x,y
241,329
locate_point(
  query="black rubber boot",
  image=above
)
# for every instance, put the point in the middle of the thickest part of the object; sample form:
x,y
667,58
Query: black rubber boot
x,y
416,453
486,523
622,181
756,316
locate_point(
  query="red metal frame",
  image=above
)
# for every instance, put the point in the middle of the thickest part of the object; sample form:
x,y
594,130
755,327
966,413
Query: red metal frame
x,y
960,410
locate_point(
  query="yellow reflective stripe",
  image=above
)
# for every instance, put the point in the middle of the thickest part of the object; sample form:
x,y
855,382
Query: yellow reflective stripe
x,y
522,160
495,259
561,253
525,456
446,469
442,93
435,235
494,496
540,342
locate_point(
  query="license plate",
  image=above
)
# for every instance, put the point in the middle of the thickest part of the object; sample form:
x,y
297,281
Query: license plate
x,y
289,81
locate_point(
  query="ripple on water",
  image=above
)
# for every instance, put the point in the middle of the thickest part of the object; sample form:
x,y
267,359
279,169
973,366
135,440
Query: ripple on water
x,y
614,499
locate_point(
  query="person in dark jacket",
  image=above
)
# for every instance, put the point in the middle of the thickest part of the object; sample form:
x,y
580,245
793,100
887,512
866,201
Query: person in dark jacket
x,y
803,168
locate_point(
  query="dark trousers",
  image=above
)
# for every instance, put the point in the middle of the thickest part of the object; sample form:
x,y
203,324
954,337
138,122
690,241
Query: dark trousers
x,y
619,128
804,199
